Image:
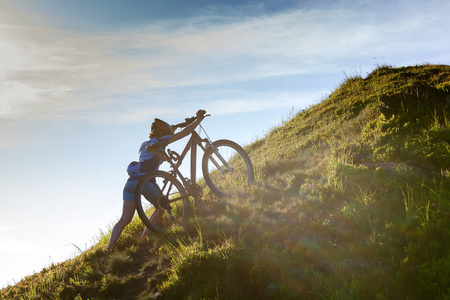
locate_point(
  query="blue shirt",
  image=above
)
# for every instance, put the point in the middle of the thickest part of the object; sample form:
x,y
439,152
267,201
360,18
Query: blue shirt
x,y
148,160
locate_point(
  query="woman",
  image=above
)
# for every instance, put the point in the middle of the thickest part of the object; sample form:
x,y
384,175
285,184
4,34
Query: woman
x,y
148,161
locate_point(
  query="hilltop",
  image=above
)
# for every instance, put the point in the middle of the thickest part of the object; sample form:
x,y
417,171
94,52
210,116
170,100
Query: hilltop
x,y
351,201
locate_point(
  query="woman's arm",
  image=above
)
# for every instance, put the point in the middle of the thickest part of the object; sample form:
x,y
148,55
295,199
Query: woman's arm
x,y
189,129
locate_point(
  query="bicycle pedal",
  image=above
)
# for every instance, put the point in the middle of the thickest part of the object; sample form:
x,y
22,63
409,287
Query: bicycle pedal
x,y
164,203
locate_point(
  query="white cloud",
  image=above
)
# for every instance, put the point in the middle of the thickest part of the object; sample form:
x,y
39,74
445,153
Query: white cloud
x,y
47,72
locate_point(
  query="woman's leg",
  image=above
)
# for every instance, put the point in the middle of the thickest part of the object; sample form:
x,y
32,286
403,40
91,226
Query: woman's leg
x,y
155,218
151,192
127,215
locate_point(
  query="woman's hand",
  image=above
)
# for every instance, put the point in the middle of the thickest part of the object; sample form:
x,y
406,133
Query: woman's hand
x,y
201,114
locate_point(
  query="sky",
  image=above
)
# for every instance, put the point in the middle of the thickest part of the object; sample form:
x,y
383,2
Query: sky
x,y
81,82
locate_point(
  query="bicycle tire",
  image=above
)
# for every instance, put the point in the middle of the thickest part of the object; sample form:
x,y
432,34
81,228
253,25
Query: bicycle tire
x,y
222,181
168,187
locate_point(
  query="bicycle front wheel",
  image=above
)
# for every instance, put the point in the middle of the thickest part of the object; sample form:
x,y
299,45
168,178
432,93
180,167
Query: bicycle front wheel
x,y
226,167
160,189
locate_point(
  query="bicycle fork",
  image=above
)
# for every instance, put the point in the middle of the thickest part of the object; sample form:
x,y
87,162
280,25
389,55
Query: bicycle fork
x,y
213,160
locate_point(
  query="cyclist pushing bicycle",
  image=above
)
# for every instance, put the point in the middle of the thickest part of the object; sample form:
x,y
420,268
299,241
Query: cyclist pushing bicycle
x,y
167,194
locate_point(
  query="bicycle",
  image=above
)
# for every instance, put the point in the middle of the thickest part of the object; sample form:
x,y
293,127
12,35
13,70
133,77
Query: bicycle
x,y
224,164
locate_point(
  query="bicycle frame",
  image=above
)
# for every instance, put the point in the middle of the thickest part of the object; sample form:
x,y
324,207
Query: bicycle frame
x,y
195,141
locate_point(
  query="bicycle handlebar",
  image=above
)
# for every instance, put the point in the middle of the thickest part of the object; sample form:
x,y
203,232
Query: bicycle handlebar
x,y
187,122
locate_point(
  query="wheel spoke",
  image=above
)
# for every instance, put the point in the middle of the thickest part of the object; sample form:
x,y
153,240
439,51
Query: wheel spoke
x,y
159,188
226,167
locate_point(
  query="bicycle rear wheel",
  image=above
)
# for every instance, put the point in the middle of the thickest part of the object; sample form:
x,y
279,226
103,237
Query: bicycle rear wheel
x,y
226,167
165,191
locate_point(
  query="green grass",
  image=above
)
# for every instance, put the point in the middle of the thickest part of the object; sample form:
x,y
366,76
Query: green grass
x,y
350,201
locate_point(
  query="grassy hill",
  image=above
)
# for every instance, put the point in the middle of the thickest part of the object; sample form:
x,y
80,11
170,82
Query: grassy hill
x,y
351,201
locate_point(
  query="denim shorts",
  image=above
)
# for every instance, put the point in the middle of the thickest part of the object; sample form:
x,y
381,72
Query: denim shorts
x,y
150,191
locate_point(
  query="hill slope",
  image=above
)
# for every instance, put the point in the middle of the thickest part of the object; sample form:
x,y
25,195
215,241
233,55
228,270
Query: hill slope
x,y
351,201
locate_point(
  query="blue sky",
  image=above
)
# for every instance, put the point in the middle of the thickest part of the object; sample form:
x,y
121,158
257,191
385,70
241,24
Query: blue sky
x,y
81,81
